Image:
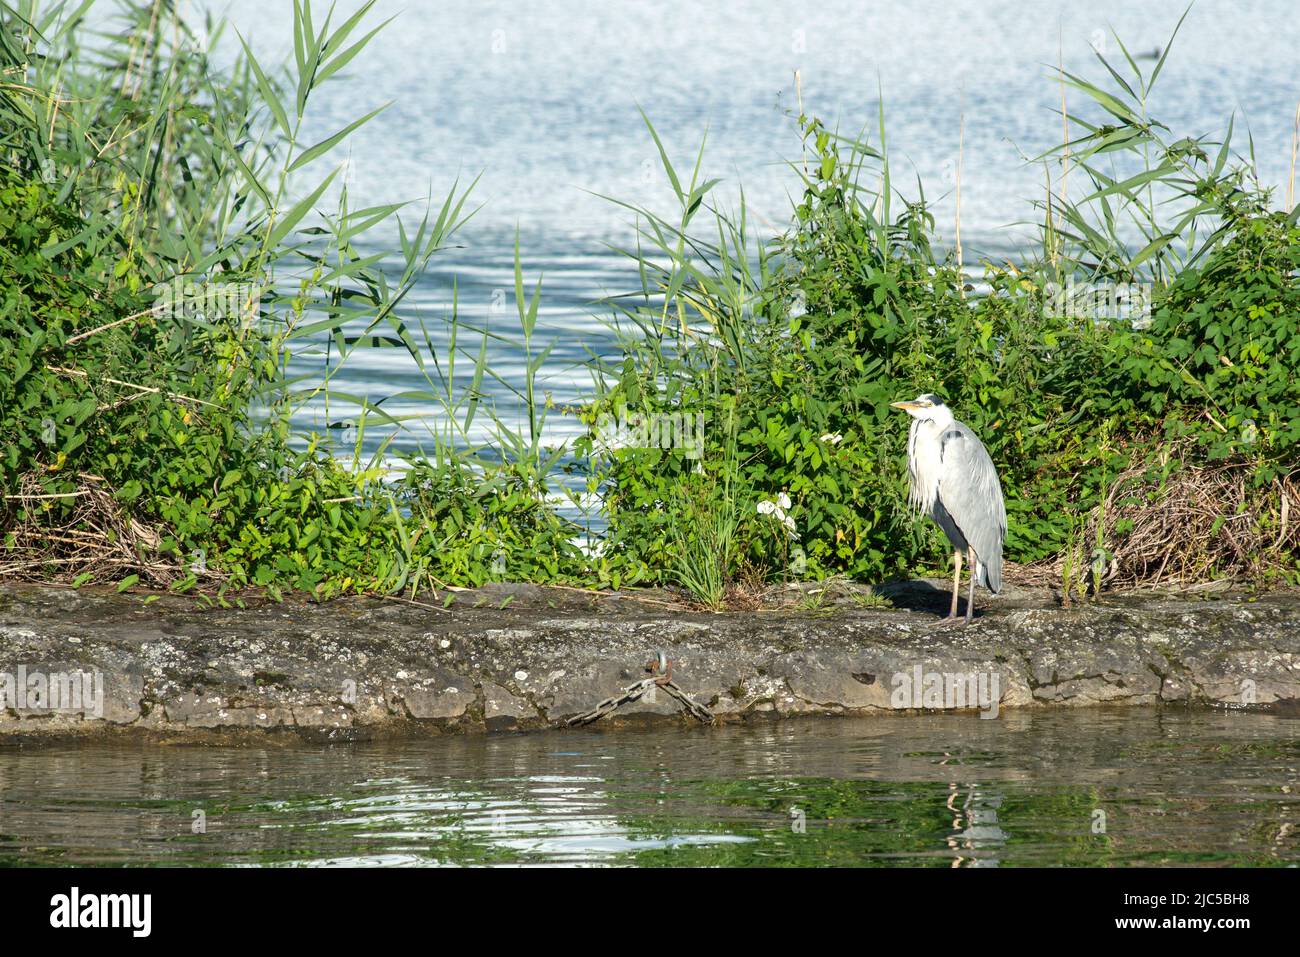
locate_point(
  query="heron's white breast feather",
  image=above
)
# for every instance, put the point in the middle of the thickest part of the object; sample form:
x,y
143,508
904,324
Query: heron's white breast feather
x,y
925,462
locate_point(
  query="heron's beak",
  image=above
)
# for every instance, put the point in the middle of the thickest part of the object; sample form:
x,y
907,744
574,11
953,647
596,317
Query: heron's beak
x,y
905,406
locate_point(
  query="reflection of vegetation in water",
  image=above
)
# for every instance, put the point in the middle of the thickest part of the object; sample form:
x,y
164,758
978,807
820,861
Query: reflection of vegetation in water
x,y
844,823
1141,789
866,823
860,823
797,822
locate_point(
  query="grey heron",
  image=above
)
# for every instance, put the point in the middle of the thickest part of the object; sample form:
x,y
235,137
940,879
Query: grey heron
x,y
955,483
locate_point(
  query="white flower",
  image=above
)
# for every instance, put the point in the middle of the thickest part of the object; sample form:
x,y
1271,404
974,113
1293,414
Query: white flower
x,y
833,438
777,509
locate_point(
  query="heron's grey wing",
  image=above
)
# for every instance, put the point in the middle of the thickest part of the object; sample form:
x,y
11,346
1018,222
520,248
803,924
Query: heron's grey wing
x,y
971,493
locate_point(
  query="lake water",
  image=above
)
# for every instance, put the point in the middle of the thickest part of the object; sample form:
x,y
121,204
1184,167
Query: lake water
x,y
1081,787
541,99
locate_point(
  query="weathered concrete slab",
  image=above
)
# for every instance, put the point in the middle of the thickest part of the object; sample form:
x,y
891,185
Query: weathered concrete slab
x,y
520,657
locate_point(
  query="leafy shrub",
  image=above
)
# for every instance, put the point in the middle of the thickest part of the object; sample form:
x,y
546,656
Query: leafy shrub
x,y
1221,356
854,308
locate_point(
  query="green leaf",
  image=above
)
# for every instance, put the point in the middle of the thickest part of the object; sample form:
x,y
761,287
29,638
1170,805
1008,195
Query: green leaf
x,y
296,214
325,145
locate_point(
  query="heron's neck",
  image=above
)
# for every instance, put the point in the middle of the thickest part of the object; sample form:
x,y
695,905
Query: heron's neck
x,y
939,418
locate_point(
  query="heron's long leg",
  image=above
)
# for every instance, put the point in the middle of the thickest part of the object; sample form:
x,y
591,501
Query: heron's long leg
x,y
956,583
970,596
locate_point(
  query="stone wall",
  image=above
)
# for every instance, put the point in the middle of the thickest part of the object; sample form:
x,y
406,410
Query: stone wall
x,y
508,657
